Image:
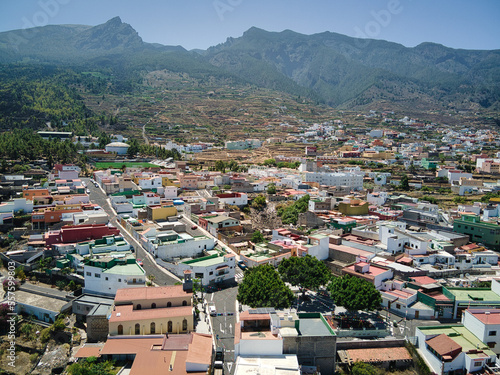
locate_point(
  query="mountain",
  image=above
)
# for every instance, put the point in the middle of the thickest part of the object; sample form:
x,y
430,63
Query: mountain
x,y
343,70
327,67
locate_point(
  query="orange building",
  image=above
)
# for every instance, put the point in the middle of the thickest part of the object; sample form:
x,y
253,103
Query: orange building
x,y
45,217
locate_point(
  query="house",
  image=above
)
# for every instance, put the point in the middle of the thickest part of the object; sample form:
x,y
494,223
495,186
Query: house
x,y
351,207
235,199
485,324
161,211
150,311
169,244
374,274
210,270
181,354
453,349
106,273
215,223
266,332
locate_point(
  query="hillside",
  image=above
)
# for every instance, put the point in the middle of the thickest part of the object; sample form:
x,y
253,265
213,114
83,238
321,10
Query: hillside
x,y
330,68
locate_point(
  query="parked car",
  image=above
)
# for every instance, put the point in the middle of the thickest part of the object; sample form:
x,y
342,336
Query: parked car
x,y
211,309
194,227
140,262
242,265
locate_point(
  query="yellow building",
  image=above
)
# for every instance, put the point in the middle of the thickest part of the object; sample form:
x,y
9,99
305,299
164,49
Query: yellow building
x,y
353,207
151,311
161,211
165,181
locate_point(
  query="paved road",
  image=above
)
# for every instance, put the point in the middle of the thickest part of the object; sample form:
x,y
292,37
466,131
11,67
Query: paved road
x,y
161,278
223,324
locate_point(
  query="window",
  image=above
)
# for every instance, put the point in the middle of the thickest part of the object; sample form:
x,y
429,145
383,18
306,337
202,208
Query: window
x,y
152,329
98,275
120,329
184,303
169,326
491,344
211,273
169,304
106,278
184,325
137,329
492,333
139,306
478,364
119,280
153,305
398,306
89,273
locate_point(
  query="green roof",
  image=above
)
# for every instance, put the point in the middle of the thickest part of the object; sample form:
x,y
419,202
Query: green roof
x,y
126,270
461,335
206,261
474,294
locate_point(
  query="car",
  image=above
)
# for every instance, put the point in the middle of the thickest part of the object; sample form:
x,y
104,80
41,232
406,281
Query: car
x,y
242,265
88,191
140,262
211,309
194,227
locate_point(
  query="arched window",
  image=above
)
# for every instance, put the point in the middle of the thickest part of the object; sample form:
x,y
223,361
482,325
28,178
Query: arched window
x,y
169,304
184,325
153,305
152,328
137,329
120,329
184,303
169,327
139,306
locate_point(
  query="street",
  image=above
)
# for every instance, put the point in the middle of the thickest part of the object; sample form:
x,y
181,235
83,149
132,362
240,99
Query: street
x,y
98,197
223,324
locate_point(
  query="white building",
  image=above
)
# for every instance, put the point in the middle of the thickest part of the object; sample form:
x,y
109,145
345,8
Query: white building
x,y
170,192
104,275
485,324
169,245
377,198
212,269
351,180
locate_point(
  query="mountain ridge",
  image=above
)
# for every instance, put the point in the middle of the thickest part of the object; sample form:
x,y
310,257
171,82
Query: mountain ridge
x,y
328,67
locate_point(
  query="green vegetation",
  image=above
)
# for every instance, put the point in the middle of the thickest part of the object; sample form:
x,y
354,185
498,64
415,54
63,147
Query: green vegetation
x,y
354,293
257,237
106,165
271,189
429,199
263,287
259,202
290,213
91,366
307,272
361,368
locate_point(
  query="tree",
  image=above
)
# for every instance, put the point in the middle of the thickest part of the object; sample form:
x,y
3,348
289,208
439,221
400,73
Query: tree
x,y
220,165
290,214
259,202
262,286
361,368
354,293
90,366
404,183
233,166
307,272
257,237
271,189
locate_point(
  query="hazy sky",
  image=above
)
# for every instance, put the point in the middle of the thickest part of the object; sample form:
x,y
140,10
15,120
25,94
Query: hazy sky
x,y
203,23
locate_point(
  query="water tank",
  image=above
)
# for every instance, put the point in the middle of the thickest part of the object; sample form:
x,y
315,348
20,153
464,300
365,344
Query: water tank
x,y
178,202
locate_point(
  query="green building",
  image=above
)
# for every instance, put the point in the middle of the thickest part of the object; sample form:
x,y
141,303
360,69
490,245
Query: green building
x,y
486,233
428,164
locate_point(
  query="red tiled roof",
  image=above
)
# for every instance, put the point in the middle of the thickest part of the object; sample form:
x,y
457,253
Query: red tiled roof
x,y
444,346
126,313
379,354
487,317
130,294
88,351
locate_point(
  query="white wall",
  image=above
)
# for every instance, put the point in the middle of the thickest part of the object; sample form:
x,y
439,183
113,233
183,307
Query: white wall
x,y
186,249
99,285
260,347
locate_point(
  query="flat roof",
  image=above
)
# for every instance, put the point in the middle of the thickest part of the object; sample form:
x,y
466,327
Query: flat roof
x,y
42,302
132,269
459,334
474,294
203,262
125,313
313,327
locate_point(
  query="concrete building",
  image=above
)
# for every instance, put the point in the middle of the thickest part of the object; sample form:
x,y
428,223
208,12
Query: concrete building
x,y
351,180
478,231
105,274
210,270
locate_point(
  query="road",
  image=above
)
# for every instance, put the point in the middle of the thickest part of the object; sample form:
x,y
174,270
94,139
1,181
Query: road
x,y
160,277
223,324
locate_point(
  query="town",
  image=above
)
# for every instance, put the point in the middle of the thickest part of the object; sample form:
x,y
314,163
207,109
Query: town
x,y
320,249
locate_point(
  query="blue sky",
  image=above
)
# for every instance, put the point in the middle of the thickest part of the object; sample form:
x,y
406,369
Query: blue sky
x,y
203,23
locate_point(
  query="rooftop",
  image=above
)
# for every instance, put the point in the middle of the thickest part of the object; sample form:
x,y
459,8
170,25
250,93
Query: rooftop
x,y
130,294
125,313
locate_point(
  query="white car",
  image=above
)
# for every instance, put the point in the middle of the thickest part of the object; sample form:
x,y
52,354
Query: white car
x,y
211,309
